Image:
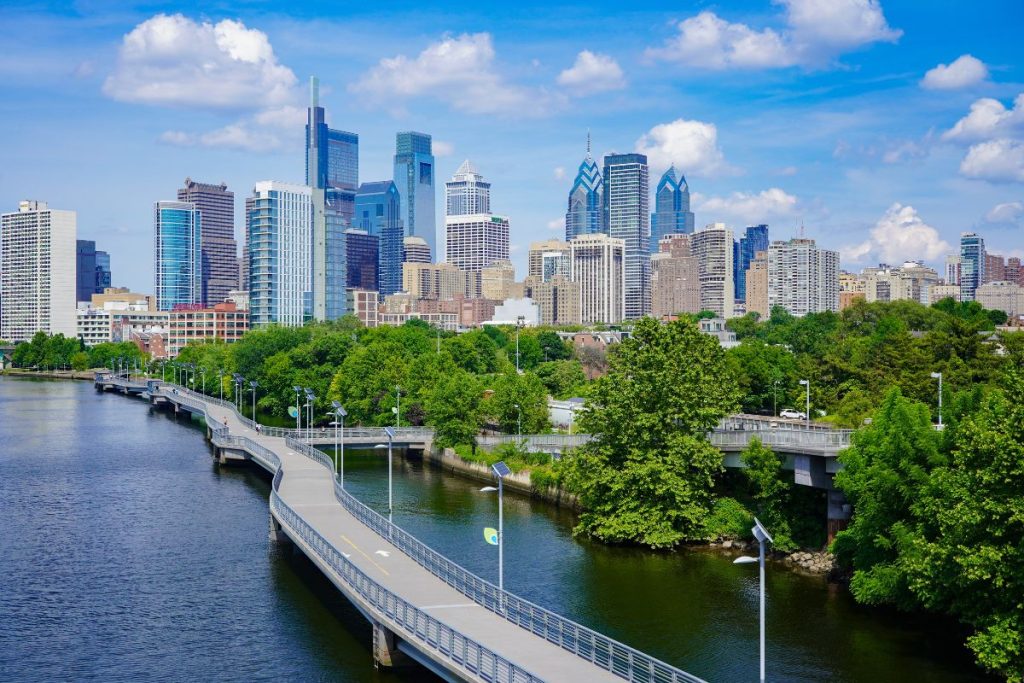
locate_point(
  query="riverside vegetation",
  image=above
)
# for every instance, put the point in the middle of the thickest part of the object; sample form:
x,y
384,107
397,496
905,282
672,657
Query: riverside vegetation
x,y
938,521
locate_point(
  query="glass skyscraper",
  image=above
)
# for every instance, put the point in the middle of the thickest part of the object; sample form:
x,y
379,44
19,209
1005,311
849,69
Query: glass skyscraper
x,y
586,203
278,223
672,213
627,216
378,212
85,270
216,205
104,278
363,256
755,239
178,257
467,192
414,177
972,264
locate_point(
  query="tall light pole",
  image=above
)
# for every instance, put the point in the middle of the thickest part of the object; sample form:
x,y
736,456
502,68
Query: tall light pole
x,y
254,384
220,382
390,433
519,324
203,372
807,410
500,470
298,411
775,398
762,536
938,376
398,406
339,420
310,397
519,421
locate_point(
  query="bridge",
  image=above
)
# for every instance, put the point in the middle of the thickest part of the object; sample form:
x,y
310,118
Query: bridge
x,y
421,606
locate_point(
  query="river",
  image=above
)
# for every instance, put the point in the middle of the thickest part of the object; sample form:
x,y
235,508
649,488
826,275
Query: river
x,y
127,554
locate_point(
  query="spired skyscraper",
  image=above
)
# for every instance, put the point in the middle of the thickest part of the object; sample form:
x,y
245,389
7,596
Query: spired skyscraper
x,y
216,206
467,192
475,238
627,216
332,173
414,176
672,213
586,200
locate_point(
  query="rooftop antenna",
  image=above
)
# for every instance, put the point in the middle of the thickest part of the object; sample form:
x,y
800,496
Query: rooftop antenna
x,y
588,143
314,91
801,228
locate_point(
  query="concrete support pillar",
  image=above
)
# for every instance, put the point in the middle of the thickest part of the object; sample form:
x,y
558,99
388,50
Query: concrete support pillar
x,y
277,535
385,647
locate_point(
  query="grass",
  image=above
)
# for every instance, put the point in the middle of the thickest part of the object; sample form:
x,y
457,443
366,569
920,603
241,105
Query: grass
x,y
544,471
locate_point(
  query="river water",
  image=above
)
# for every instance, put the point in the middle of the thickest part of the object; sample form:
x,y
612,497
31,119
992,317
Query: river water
x,y
127,555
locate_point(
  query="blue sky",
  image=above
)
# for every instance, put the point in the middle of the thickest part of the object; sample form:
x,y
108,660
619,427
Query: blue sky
x,y
882,128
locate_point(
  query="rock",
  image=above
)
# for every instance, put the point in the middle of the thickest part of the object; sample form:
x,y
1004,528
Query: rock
x,y
726,544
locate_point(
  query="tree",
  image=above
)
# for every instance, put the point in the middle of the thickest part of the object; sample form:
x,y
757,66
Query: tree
x,y
562,378
553,346
765,374
647,476
80,361
769,491
453,408
526,391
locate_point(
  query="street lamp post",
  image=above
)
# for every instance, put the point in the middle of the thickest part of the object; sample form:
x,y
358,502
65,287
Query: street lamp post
x,y
298,411
339,420
938,376
398,406
762,536
519,324
254,384
500,470
220,382
775,398
390,433
519,421
310,398
202,371
807,409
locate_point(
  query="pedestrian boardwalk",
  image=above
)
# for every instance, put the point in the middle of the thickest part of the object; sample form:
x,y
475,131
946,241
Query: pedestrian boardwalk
x,y
419,603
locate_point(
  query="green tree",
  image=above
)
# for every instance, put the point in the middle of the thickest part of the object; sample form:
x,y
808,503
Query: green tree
x,y
453,408
769,490
526,391
647,476
80,360
553,346
562,378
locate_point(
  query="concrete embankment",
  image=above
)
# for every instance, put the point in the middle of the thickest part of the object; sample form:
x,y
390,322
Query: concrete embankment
x,y
54,374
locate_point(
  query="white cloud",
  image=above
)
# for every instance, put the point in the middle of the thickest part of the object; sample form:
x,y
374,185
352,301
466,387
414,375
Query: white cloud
x,y
557,224
964,72
816,32
442,148
264,131
749,207
691,145
1007,212
172,60
592,73
1000,160
988,119
899,235
457,70
559,172
997,134
787,171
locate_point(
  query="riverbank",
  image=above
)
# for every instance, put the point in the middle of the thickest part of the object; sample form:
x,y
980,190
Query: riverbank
x,y
88,375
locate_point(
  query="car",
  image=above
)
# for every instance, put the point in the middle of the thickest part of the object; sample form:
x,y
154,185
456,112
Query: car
x,y
791,414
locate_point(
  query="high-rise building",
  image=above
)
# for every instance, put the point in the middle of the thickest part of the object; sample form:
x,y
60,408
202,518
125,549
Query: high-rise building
x,y
498,280
37,271
476,241
414,176
802,278
675,277
712,246
439,281
972,264
243,266
912,280
1014,272
995,268
378,209
467,192
216,205
104,278
558,299
178,255
598,264
363,250
332,173
757,285
85,270
953,269
279,237
672,213
415,250
586,200
755,239
627,217
547,259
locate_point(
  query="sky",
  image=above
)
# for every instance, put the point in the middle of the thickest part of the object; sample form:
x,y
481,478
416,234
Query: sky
x,y
880,128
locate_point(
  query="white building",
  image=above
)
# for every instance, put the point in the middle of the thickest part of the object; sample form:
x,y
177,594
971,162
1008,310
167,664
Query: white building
x,y
515,312
279,231
37,271
467,193
475,241
1007,297
712,246
598,264
802,278
912,280
114,324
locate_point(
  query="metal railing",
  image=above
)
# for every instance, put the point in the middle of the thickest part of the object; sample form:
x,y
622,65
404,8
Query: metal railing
x,y
832,440
600,650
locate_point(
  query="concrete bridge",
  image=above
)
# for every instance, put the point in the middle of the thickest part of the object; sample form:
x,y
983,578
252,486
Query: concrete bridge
x,y
422,607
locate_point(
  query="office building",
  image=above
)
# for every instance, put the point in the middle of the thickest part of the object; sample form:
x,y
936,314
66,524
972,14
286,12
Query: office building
x,y
498,281
85,269
439,281
675,277
953,270
37,271
755,239
377,211
672,213
557,297
414,176
115,321
216,206
1014,272
467,193
548,258
995,268
364,304
940,292
279,235
1004,296
972,264
627,217
802,278
475,241
598,264
585,215
363,250
415,250
712,246
104,278
178,256
912,280
757,286
222,322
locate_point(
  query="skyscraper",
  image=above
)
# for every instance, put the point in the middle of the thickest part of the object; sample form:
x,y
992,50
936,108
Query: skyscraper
x,y
627,217
415,250
548,258
598,265
278,223
712,245
216,206
178,255
332,173
467,192
672,213
363,251
37,271
586,200
754,240
972,264
414,176
675,277
802,278
104,278
378,212
85,270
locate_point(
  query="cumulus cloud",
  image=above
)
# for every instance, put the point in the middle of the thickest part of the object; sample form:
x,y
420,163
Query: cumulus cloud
x,y
988,118
899,235
691,145
749,207
997,160
1007,212
458,70
264,131
998,136
557,224
964,72
442,148
816,31
592,73
174,61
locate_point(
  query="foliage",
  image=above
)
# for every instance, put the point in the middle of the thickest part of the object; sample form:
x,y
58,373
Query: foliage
x,y
553,346
729,518
646,477
453,408
525,391
80,360
769,491
563,379
46,352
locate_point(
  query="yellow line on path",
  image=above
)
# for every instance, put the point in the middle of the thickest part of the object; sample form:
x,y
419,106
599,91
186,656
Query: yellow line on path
x,y
360,550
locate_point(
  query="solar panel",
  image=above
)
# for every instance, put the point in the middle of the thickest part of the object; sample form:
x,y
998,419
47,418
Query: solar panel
x,y
501,469
390,432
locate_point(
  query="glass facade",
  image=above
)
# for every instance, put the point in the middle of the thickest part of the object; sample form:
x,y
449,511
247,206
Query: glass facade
x,y
414,177
342,159
279,237
467,192
627,216
103,275
584,216
972,264
672,213
378,212
178,258
363,259
85,270
755,239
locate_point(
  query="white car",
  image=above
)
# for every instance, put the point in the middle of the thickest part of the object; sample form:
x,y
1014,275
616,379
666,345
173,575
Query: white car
x,y
791,414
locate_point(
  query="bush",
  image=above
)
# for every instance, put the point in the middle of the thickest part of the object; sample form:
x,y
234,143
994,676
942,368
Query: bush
x,y
729,519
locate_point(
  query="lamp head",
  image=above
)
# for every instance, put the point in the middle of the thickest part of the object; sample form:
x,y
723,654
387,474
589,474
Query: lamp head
x,y
936,375
390,432
760,533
